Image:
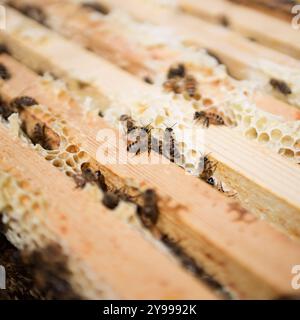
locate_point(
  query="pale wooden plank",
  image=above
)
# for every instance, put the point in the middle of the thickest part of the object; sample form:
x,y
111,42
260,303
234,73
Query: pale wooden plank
x,y
267,29
239,54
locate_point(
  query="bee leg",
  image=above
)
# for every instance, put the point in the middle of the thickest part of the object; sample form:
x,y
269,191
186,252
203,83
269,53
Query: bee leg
x,y
206,122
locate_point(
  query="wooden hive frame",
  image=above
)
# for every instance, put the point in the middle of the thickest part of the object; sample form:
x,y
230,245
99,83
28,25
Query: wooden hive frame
x,y
239,54
203,226
267,29
278,8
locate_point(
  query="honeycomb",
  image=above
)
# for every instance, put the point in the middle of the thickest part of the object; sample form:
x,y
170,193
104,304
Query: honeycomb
x,y
69,156
24,211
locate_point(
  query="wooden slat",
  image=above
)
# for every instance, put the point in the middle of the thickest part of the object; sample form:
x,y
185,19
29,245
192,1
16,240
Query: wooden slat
x,y
267,30
239,54
93,236
238,254
277,8
75,23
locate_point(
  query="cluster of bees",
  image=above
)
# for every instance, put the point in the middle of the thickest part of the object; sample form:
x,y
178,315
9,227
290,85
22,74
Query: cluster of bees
x,y
143,142
148,211
180,82
140,139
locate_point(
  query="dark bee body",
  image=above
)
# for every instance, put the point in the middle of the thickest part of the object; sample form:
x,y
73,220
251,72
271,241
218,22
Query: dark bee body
x,y
21,102
179,82
208,118
96,6
224,21
148,80
208,170
142,140
110,200
280,86
4,73
93,177
135,146
130,123
5,110
177,71
39,136
148,132
170,144
4,49
149,212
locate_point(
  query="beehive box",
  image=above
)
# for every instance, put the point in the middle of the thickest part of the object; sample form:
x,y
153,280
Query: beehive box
x,y
149,150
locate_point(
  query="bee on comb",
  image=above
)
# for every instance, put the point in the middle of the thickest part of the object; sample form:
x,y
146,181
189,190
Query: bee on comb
x,y
209,117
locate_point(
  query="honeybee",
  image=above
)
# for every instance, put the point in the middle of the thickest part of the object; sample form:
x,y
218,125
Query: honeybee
x,y
4,73
208,169
173,85
20,103
280,86
177,71
148,80
93,177
169,142
209,117
179,82
149,212
39,136
191,87
142,140
135,146
130,123
110,200
5,110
